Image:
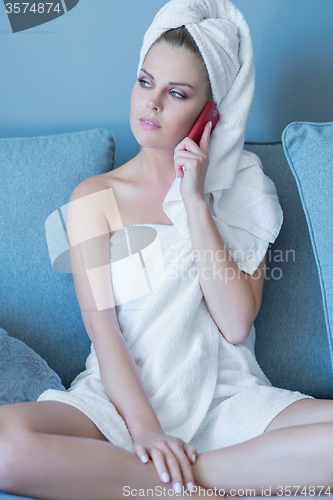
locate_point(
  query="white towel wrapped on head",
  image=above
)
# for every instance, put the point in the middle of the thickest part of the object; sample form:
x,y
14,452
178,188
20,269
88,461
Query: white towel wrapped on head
x,y
243,200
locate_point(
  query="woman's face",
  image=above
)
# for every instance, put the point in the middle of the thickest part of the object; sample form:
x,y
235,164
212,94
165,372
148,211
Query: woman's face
x,y
167,97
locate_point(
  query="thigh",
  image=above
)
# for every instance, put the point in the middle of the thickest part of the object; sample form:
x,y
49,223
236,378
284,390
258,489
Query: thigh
x,y
303,412
49,417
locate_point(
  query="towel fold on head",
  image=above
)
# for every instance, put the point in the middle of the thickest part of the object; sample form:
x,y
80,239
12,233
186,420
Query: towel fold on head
x,y
242,199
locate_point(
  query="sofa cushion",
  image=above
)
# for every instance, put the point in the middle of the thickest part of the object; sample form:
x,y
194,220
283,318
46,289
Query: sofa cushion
x,y
24,374
309,151
292,346
38,304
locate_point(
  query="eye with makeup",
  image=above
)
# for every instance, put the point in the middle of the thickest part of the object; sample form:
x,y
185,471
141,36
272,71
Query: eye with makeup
x,y
145,84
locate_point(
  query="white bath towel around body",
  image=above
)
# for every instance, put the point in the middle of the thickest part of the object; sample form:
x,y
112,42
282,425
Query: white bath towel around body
x,y
203,389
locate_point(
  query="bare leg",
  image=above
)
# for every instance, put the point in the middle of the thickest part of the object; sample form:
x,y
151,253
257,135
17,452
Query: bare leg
x,y
36,461
52,451
303,412
295,450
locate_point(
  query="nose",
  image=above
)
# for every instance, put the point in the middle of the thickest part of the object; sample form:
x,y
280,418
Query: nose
x,y
154,103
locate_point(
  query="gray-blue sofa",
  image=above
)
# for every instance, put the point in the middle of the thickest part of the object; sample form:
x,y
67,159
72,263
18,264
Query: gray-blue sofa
x,y
43,342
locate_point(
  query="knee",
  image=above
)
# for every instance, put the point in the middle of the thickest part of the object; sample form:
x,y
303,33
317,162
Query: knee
x,y
15,449
13,416
7,414
7,452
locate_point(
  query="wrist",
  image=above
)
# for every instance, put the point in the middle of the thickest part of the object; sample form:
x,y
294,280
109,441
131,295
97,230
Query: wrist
x,y
142,425
195,206
144,429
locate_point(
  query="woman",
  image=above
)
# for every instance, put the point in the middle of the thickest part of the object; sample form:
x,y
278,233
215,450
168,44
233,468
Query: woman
x,y
172,395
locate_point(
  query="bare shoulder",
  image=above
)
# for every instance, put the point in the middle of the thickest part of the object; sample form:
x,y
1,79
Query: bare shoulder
x,y
90,186
93,208
115,179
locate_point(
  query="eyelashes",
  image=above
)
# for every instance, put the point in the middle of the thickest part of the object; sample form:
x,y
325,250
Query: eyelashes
x,y
182,96
174,93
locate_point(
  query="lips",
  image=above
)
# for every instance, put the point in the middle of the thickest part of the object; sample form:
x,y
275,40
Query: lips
x,y
148,123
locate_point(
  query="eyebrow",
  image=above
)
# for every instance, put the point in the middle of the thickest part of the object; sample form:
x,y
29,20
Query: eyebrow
x,y
170,83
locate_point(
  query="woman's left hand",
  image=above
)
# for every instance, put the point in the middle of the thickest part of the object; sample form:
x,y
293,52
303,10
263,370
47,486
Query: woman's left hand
x,y
195,161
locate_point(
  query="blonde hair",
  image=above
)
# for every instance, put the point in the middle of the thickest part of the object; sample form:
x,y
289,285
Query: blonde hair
x,y
180,37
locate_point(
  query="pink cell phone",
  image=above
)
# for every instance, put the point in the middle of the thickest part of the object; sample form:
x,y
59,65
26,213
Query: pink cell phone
x,y
208,114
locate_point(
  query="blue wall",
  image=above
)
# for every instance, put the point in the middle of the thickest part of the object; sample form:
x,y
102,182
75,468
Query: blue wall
x,y
77,72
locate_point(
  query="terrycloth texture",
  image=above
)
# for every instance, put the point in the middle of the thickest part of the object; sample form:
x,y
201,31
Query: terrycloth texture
x,y
202,388
24,374
244,200
309,151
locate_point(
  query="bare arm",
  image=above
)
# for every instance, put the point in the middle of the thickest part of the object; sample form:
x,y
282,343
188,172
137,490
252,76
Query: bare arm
x,y
89,233
91,219
233,297
120,378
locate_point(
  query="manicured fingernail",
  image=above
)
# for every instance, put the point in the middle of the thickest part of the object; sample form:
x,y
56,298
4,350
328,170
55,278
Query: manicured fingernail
x,y
144,459
210,124
165,477
193,458
190,486
178,488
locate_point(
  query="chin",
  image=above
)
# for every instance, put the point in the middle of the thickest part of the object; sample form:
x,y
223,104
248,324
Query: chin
x,y
153,139
145,141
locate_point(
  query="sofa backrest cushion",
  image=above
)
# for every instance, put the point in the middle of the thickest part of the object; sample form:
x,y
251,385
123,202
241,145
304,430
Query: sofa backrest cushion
x,y
292,344
38,304
309,151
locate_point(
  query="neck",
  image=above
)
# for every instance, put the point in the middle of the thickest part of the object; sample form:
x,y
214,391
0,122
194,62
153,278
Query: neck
x,y
155,167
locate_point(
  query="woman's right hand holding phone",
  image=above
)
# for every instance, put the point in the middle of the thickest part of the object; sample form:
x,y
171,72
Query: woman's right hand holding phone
x,y
171,456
